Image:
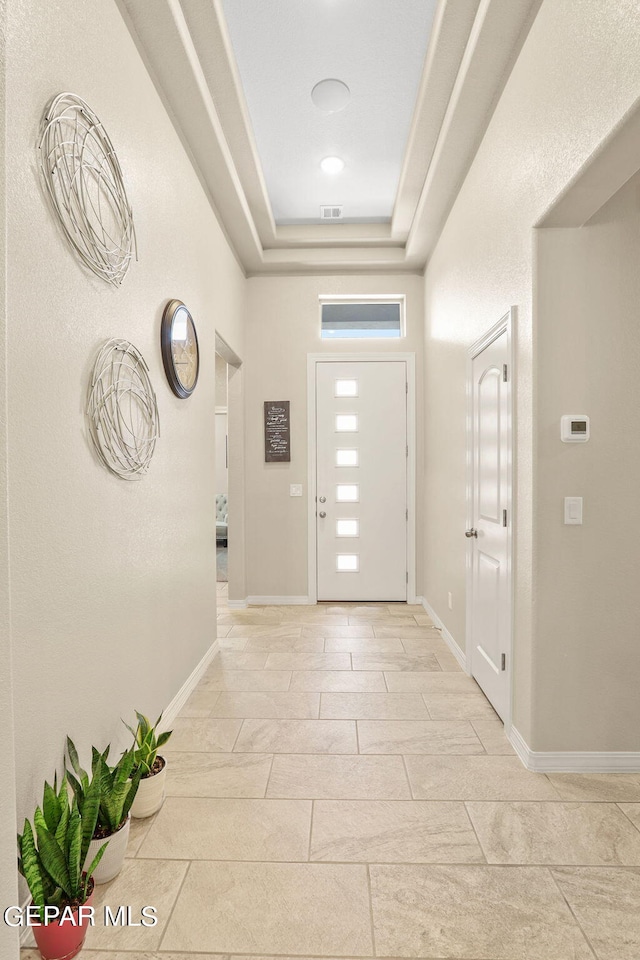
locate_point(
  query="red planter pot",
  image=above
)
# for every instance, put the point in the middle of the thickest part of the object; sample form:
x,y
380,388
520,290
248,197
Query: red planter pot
x,y
61,941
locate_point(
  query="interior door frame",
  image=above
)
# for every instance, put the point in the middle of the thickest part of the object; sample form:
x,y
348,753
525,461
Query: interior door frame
x,y
313,359
235,475
506,323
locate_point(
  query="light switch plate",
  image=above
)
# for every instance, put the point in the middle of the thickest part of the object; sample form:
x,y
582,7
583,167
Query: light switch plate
x,y
572,510
295,490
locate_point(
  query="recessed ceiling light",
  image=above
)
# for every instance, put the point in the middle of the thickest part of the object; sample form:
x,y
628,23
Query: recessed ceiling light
x,y
332,165
330,95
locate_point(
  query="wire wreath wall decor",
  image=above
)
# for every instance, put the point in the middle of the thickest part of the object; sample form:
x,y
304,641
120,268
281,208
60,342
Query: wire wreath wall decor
x,y
82,178
122,412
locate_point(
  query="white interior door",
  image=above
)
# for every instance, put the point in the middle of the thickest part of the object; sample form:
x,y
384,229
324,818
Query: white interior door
x,y
361,480
490,603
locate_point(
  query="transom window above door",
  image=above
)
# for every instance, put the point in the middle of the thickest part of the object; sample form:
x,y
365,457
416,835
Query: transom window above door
x,y
360,318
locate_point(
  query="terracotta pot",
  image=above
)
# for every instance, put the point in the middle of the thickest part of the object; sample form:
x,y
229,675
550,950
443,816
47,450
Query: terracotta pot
x,y
61,941
113,857
150,795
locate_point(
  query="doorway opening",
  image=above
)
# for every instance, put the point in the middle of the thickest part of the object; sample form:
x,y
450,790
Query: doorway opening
x,y
229,476
222,470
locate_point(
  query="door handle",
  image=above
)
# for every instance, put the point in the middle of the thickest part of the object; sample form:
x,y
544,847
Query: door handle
x,y
322,514
471,533
322,499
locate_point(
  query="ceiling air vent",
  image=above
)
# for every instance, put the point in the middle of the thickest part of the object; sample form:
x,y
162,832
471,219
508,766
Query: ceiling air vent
x,y
331,213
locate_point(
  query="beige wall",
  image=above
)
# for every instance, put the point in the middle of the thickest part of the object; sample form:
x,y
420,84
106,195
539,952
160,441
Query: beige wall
x,y
283,327
113,583
588,355
577,75
8,877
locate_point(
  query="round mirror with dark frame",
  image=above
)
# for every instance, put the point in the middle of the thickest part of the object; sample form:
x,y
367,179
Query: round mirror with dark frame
x,y
180,353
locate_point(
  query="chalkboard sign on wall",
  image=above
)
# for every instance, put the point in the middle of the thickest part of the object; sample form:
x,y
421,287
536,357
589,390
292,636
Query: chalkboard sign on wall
x,y
277,431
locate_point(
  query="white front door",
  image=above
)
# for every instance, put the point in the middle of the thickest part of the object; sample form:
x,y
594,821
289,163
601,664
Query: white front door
x,y
489,628
361,481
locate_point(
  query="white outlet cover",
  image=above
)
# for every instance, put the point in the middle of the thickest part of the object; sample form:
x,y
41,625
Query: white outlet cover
x,y
295,490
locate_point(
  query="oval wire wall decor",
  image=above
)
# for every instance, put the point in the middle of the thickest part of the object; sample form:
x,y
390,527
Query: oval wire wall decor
x,y
83,181
122,412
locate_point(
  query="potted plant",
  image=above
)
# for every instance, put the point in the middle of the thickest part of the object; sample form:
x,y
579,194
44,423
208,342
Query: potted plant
x,y
117,788
51,861
151,767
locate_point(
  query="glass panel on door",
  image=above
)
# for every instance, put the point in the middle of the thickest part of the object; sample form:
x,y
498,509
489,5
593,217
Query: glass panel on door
x,y
346,388
347,528
346,422
346,458
347,493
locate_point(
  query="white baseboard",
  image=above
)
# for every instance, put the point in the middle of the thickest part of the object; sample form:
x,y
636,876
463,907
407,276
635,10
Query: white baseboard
x,y
574,761
561,761
446,636
270,601
187,688
237,604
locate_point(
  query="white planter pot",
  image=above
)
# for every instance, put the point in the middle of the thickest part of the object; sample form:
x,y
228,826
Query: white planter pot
x,y
150,795
113,857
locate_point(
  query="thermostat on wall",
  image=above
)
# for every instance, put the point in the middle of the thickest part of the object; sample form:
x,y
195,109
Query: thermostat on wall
x,y
574,428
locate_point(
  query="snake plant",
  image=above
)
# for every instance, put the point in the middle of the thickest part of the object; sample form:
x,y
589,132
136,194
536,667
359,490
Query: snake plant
x,y
117,786
52,856
147,743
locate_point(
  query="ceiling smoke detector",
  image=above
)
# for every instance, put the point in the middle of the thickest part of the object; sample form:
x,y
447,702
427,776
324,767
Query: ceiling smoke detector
x,y
330,213
330,96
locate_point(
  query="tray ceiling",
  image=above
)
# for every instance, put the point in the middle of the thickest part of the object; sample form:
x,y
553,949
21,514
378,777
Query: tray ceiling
x,y
283,48
236,78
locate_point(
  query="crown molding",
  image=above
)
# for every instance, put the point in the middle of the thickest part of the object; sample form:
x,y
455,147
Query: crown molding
x,y
450,33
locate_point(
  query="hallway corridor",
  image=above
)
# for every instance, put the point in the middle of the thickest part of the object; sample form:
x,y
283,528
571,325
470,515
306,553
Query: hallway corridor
x,y
337,787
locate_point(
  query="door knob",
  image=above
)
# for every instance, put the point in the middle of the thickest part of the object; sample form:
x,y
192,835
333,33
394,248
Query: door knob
x,y
322,514
322,499
471,533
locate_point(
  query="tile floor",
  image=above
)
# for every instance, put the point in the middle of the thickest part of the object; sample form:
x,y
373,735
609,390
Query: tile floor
x,y
338,788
